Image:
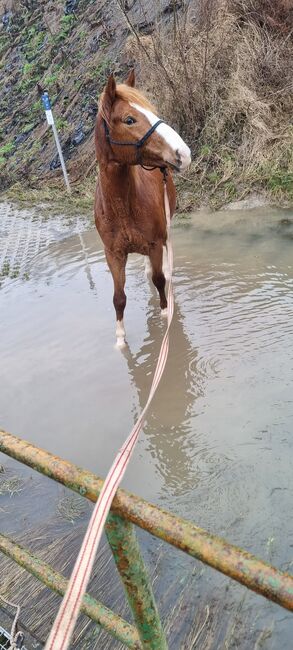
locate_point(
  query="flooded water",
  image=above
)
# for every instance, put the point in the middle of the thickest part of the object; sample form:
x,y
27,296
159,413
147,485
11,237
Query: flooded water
x,y
217,445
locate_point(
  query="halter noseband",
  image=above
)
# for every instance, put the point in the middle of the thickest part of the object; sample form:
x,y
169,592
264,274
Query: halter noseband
x,y
137,144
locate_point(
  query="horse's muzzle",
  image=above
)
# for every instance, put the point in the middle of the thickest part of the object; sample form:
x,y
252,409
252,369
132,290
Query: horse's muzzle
x,y
182,160
174,167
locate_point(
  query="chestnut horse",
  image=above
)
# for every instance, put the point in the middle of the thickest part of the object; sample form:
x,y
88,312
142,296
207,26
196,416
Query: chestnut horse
x,y
129,201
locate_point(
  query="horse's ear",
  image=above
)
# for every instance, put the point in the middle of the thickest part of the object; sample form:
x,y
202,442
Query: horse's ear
x,y
109,94
130,81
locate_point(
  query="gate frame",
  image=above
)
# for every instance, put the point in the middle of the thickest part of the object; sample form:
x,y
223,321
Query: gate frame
x,y
128,509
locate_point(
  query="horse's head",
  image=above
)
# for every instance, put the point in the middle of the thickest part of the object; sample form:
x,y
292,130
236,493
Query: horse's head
x,y
133,131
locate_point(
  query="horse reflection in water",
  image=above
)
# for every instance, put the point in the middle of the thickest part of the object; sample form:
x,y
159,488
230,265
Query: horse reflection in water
x,y
167,428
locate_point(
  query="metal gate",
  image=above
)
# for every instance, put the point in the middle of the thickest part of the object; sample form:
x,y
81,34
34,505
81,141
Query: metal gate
x,y
128,509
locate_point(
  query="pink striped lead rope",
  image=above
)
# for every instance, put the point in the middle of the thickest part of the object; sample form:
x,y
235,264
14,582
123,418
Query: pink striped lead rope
x,y
64,623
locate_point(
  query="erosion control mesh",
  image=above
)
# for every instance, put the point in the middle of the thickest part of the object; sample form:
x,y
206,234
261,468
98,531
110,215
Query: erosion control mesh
x,y
25,233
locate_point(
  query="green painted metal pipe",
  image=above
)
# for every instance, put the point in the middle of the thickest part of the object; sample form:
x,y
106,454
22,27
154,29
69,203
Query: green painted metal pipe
x,y
214,551
123,542
111,622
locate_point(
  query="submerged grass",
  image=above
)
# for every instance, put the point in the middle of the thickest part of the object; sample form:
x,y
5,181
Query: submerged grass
x,y
189,621
10,485
71,507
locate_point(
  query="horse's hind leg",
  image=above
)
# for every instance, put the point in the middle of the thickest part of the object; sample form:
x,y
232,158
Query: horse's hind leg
x,y
166,269
117,268
156,258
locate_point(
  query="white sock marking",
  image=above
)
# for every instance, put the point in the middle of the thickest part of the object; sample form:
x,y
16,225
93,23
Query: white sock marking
x,y
120,333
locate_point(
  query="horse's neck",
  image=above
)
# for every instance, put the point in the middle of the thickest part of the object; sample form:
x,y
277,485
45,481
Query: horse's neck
x,y
117,183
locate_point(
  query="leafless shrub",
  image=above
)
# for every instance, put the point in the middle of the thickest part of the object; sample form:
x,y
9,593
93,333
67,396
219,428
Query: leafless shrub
x,y
222,73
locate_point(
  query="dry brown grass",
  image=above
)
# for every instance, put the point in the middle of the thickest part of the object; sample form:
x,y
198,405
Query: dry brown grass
x,y
223,75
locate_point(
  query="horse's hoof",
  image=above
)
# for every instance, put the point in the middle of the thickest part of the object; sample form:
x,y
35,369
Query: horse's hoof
x,y
120,343
164,313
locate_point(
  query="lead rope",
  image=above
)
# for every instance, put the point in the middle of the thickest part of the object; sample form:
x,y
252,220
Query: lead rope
x,y
64,623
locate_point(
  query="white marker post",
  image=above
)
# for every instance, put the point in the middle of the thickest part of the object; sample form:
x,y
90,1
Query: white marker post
x,y
50,119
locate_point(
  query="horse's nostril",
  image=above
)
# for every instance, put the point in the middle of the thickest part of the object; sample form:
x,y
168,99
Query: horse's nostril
x,y
178,158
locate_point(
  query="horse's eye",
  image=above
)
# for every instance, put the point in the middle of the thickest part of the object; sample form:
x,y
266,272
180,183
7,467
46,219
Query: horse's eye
x,y
129,120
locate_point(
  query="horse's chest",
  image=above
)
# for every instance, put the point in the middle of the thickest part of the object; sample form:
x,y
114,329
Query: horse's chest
x,y
132,239
129,232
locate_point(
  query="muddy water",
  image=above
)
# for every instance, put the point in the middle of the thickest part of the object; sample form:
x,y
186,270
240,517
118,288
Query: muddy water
x,y
217,445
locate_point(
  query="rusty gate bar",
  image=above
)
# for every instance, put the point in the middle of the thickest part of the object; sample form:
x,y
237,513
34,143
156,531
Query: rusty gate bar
x,y
230,560
122,539
114,624
214,551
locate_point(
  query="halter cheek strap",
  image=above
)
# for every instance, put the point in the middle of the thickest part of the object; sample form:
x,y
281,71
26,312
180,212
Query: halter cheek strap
x,y
137,144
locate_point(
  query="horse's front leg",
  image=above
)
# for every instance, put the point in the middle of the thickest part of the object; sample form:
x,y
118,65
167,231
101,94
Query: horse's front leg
x,y
117,268
158,278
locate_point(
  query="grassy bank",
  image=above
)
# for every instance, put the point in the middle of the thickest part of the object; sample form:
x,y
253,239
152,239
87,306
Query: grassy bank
x,y
220,71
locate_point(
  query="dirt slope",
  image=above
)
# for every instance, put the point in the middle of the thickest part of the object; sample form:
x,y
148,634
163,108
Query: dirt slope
x,y
219,70
71,55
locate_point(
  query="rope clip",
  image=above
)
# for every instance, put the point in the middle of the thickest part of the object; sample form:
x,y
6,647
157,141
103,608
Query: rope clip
x,y
164,171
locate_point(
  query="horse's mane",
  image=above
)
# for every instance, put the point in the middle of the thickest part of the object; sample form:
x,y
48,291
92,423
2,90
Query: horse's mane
x,y
134,96
131,95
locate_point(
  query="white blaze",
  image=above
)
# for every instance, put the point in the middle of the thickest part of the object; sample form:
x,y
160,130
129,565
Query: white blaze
x,y
169,135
